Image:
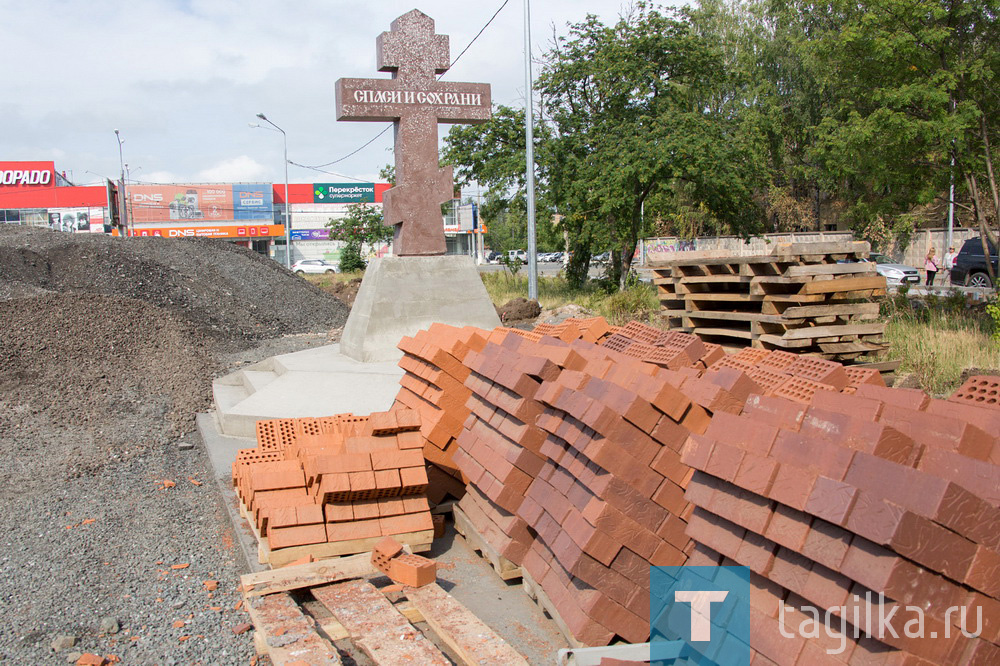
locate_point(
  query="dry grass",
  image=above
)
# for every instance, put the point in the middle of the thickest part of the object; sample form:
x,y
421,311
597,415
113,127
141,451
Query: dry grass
x,y
637,302
939,342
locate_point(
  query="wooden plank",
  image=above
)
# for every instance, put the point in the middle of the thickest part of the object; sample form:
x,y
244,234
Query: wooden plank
x,y
833,309
469,637
863,267
844,284
722,296
717,279
700,258
375,625
734,316
779,279
285,633
778,341
504,568
419,541
725,332
822,248
794,298
828,331
307,575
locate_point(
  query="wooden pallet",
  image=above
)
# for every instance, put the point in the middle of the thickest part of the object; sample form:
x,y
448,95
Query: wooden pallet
x,y
503,567
418,542
299,612
537,594
802,297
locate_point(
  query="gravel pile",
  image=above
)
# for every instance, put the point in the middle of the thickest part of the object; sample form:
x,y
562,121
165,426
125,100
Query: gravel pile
x,y
113,536
222,289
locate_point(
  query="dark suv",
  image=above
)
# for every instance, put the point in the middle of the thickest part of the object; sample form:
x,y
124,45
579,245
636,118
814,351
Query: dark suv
x,y
970,265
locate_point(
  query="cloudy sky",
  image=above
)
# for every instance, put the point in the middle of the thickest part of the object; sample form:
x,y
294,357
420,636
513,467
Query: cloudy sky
x,y
181,80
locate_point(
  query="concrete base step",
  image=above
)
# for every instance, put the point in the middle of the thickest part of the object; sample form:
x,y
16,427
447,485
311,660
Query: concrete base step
x,y
313,382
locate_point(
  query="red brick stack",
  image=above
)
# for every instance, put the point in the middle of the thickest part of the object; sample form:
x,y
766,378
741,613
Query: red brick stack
x,y
883,491
434,385
797,376
500,445
343,478
592,329
609,500
667,349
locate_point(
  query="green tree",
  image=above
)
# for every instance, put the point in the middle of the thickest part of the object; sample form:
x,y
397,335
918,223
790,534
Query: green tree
x,y
636,121
361,226
912,85
640,111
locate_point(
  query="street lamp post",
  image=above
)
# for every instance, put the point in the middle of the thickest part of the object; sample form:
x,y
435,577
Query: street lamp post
x,y
529,154
123,196
288,216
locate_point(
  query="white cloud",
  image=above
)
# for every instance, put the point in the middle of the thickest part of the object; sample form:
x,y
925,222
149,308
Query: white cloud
x,y
234,170
182,78
156,177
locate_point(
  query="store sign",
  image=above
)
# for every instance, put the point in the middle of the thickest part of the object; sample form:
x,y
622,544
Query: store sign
x,y
16,175
344,193
197,203
233,231
310,234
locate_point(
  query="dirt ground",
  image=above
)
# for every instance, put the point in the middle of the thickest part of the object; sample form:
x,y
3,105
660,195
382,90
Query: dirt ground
x,y
112,534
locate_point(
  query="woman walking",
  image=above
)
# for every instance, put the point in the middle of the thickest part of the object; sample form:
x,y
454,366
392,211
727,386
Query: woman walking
x,y
931,266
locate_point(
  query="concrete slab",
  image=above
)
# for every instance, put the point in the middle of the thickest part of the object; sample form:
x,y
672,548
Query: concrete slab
x,y
402,295
314,382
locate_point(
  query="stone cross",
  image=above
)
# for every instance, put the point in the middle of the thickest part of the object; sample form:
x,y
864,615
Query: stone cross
x,y
416,102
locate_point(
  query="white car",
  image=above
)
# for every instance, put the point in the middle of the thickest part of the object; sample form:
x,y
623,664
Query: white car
x,y
313,266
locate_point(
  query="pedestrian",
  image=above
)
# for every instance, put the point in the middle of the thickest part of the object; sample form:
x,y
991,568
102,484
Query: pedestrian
x,y
949,261
931,266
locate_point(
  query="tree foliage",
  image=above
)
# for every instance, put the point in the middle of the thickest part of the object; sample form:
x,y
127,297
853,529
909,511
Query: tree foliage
x,y
361,226
743,116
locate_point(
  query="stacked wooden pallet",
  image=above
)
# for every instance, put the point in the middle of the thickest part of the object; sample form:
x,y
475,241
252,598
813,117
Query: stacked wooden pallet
x,y
806,297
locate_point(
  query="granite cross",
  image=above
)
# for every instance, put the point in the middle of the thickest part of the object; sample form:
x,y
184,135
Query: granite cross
x,y
416,102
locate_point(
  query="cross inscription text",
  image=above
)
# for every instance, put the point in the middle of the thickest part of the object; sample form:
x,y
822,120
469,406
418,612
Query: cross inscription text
x,y
416,102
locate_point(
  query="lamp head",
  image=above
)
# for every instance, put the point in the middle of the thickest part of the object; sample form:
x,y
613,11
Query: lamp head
x,y
262,116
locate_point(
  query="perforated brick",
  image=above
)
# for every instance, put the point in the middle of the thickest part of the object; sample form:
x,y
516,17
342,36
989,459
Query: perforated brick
x,y
799,389
980,390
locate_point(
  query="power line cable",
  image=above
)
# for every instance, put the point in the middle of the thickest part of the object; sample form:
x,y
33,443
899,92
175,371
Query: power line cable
x,y
372,140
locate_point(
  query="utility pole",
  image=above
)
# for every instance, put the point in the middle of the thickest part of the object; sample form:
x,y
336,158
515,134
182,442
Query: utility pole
x,y
122,194
529,171
288,215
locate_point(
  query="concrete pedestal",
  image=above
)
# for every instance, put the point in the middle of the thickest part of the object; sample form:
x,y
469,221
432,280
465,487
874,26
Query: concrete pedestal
x,y
402,295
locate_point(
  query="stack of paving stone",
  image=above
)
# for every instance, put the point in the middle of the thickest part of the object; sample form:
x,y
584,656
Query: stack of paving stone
x,y
832,503
810,297
434,385
334,480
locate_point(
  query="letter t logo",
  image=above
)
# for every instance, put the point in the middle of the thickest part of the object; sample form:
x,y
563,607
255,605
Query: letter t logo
x,y
701,610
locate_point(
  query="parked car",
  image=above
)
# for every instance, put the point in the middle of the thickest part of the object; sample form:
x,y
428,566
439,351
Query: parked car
x,y
313,266
517,255
492,257
602,258
895,274
970,265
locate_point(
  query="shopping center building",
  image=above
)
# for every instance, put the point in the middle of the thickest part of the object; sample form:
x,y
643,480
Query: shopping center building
x,y
248,214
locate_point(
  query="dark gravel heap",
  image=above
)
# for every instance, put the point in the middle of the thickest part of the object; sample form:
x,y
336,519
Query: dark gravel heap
x,y
222,289
107,351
